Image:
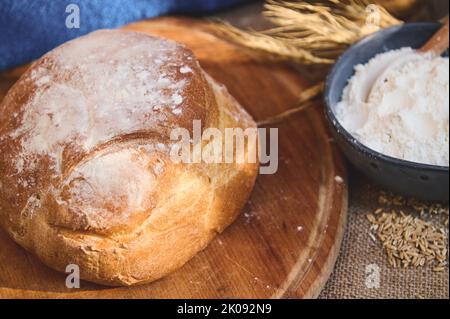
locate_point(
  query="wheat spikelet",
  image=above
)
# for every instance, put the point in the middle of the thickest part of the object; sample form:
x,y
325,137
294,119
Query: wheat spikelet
x,y
310,32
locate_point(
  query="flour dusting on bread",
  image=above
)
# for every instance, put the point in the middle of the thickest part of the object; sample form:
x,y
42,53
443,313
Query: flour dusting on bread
x,y
138,91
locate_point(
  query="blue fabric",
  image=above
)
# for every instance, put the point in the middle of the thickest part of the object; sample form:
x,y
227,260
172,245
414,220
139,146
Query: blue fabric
x,y
30,28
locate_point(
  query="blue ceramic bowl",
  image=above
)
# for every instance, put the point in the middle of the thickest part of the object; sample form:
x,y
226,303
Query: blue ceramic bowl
x,y
427,182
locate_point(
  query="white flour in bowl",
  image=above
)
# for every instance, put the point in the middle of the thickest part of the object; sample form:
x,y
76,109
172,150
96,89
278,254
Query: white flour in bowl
x,y
407,115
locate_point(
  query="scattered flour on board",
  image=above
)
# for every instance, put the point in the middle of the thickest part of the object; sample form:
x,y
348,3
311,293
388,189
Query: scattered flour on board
x,y
338,179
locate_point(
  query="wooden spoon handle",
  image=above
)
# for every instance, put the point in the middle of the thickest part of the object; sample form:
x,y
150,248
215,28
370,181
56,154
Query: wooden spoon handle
x,y
438,43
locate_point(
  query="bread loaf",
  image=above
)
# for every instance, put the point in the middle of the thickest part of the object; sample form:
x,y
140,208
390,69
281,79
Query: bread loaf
x,y
86,176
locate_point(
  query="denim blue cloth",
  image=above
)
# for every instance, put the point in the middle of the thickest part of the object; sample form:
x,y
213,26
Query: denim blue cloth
x,y
30,28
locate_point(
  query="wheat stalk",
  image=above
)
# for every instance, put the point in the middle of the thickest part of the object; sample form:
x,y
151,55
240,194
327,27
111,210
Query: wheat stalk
x,y
310,32
304,101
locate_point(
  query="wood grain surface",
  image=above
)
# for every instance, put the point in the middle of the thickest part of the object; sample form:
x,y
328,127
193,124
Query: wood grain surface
x,y
285,242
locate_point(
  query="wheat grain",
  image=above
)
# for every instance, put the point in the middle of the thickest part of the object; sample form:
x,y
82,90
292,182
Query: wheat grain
x,y
407,240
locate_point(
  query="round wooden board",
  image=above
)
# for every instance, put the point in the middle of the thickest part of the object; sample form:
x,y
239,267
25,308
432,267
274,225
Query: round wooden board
x,y
286,241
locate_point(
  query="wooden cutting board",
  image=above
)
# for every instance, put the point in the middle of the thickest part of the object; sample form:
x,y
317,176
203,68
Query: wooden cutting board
x,y
285,242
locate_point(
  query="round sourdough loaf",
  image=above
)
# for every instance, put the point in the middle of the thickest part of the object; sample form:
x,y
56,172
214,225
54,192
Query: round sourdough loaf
x,y
86,176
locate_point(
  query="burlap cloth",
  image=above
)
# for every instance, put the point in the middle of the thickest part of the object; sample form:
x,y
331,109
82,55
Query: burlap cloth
x,y
358,250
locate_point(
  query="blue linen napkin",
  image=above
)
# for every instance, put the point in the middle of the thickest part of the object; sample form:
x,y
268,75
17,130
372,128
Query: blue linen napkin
x,y
30,28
